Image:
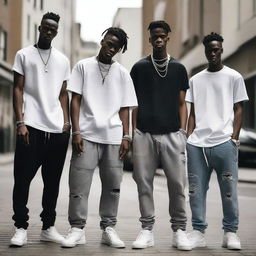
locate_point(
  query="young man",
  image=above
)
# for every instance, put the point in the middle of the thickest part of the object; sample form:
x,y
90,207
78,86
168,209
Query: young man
x,y
216,95
159,125
40,75
102,92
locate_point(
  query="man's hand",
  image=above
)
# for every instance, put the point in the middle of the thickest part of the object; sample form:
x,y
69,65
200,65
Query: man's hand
x,y
23,134
78,144
124,149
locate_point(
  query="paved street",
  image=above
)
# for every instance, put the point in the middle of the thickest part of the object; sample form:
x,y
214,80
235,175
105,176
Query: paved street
x,y
128,225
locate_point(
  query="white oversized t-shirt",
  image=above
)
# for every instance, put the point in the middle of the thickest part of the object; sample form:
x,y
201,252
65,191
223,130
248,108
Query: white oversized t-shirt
x,y
214,95
101,102
42,108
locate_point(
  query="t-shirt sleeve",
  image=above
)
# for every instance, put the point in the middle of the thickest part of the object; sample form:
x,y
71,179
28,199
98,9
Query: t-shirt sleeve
x,y
129,96
183,79
189,94
76,80
240,93
18,63
67,72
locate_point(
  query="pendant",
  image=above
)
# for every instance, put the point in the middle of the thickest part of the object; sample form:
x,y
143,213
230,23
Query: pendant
x,y
45,69
103,80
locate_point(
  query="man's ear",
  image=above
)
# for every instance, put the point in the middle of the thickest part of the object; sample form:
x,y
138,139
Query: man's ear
x,y
101,42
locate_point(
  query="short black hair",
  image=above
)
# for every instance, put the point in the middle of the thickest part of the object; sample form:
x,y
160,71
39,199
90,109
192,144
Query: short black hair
x,y
120,34
51,16
212,37
159,24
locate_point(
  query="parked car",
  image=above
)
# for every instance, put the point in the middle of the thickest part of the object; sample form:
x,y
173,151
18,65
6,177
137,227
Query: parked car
x,y
247,150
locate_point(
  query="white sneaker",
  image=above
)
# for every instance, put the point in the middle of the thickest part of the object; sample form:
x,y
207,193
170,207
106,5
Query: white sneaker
x,y
111,238
51,235
20,237
231,241
197,239
75,236
144,239
180,240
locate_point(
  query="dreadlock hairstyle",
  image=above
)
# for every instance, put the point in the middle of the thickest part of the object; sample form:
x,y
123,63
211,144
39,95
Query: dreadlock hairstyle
x,y
51,16
120,34
212,37
159,24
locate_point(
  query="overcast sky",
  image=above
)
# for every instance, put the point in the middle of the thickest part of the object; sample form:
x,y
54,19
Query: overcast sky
x,y
97,15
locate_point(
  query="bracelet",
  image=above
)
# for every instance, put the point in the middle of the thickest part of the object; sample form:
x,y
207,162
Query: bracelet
x,y
183,131
76,133
67,124
127,137
20,123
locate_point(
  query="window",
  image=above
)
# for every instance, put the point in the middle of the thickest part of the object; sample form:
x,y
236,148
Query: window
x,y
28,27
35,33
185,14
42,4
159,11
3,45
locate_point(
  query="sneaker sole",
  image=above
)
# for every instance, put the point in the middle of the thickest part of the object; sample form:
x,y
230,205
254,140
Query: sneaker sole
x,y
183,248
199,245
80,242
18,244
231,247
143,247
112,245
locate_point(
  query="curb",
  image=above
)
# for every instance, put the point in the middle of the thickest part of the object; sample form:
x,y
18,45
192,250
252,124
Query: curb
x,y
247,181
6,158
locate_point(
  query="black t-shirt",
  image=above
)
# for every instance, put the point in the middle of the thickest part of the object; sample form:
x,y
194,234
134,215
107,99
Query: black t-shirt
x,y
158,98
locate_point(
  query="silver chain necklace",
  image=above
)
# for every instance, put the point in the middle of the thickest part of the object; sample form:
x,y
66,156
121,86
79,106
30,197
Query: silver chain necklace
x,y
41,57
162,67
103,70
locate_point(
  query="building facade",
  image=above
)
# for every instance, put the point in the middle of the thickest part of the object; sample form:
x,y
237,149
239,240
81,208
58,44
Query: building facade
x,y
130,20
191,20
19,21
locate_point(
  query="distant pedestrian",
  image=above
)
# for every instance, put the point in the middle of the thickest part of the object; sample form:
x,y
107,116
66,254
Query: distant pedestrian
x,y
102,93
41,107
216,95
159,125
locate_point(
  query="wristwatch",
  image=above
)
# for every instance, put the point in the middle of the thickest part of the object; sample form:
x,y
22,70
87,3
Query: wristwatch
x,y
236,142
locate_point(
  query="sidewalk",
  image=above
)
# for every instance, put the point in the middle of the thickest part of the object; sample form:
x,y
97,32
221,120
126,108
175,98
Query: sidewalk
x,y
128,224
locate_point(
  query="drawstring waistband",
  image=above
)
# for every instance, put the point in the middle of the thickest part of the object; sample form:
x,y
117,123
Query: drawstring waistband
x,y
47,136
205,157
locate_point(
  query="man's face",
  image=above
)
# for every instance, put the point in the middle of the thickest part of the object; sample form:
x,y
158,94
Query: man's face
x,y
48,30
158,39
110,45
213,51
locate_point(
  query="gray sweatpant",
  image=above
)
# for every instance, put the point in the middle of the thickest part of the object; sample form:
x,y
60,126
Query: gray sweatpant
x,y
80,179
169,150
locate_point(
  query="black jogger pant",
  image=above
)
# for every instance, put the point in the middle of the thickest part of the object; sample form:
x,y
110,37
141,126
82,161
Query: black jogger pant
x,y
45,150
